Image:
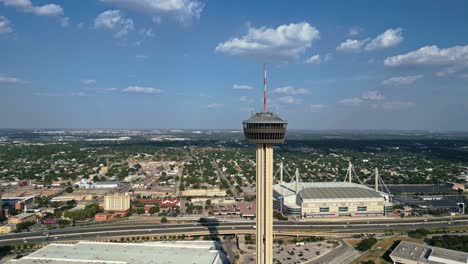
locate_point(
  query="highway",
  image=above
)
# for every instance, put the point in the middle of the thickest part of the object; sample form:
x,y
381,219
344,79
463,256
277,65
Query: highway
x,y
148,229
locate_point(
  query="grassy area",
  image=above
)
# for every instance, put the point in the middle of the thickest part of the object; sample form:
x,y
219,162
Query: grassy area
x,y
379,250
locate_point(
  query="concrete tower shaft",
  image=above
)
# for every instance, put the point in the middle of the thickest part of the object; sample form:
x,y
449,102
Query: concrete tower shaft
x,y
264,129
264,232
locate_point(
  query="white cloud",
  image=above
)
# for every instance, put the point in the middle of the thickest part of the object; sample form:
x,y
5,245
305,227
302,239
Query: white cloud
x,y
10,80
352,101
290,90
376,100
242,87
64,21
289,100
284,43
183,11
351,45
372,95
147,32
402,80
395,105
5,25
88,82
317,107
27,6
80,94
114,21
215,106
143,90
452,59
391,37
314,59
355,31
366,97
51,10
110,89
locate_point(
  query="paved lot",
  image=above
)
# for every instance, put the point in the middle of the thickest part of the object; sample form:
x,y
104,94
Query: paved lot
x,y
294,254
342,255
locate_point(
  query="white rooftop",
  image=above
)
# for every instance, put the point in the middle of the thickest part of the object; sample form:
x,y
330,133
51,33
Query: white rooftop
x,y
167,252
325,190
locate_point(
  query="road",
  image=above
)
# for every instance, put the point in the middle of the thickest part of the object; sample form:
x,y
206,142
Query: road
x,y
223,176
146,229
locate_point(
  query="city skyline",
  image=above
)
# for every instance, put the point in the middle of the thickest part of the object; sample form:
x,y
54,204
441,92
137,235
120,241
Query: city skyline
x,y
193,64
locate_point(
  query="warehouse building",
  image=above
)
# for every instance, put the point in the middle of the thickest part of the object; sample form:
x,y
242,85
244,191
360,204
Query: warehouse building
x,y
413,253
329,199
175,252
22,218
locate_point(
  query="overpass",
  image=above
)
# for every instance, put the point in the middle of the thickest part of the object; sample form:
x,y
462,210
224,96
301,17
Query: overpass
x,y
157,231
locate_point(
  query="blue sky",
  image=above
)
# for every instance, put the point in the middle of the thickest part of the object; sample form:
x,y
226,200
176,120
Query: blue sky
x,y
198,64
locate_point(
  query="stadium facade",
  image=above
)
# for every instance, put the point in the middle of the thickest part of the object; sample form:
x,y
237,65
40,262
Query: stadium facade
x,y
329,199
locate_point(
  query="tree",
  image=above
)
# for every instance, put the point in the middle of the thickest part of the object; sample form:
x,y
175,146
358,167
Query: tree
x,y
418,233
366,244
153,210
69,189
163,220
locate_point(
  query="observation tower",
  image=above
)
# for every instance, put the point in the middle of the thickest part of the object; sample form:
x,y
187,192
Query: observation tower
x,y
264,129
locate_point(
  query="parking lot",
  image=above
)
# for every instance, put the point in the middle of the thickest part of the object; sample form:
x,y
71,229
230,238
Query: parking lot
x,y
295,254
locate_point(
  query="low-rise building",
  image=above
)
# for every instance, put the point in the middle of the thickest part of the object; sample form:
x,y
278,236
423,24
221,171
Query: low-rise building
x,y
175,252
204,192
162,202
413,253
89,184
104,216
50,221
8,228
106,184
22,218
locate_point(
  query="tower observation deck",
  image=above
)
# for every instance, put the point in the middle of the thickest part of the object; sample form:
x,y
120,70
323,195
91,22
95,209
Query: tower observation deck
x,y
264,129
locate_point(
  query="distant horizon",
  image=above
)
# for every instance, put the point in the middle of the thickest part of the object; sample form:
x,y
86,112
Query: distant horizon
x,y
240,129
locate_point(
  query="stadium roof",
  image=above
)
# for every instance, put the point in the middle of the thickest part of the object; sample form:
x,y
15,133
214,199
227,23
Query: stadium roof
x,y
337,192
196,252
327,190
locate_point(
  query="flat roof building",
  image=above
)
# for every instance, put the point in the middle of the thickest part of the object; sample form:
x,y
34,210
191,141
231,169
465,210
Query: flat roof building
x,y
413,253
22,218
174,252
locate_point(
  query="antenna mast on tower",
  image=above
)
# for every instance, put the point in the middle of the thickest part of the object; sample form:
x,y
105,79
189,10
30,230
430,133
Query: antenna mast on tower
x,y
264,89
